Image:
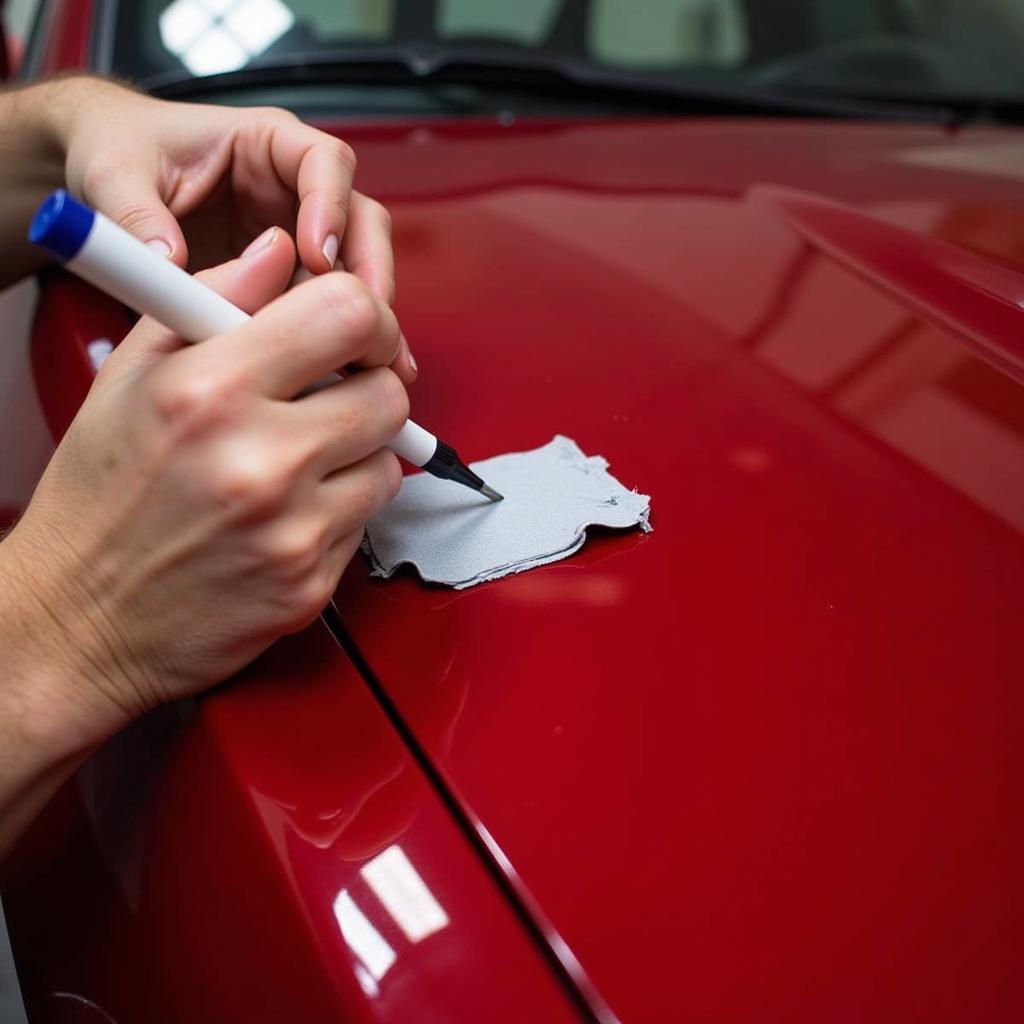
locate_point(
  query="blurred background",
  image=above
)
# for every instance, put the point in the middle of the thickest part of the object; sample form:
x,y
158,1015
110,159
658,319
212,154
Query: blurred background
x,y
17,19
965,46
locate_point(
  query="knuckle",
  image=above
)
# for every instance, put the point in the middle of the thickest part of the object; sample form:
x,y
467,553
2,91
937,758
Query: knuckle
x,y
313,594
393,402
381,214
346,417
372,409
244,481
132,216
191,400
339,202
342,551
102,169
352,304
362,501
339,289
360,505
293,550
244,488
393,476
232,485
343,153
380,486
270,117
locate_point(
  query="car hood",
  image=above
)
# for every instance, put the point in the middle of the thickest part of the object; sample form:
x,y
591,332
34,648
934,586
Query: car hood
x,y
764,762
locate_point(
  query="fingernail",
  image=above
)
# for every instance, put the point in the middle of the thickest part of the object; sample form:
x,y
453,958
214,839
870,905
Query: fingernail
x,y
408,356
330,250
159,246
260,242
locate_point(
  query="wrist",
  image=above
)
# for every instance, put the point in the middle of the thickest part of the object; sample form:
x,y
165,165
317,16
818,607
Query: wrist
x,y
35,120
59,688
52,114
33,162
62,104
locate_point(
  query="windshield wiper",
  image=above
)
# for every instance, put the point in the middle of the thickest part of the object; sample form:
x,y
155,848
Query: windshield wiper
x,y
537,73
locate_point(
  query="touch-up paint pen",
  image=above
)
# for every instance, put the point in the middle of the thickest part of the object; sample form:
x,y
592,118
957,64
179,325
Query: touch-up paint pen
x,y
105,255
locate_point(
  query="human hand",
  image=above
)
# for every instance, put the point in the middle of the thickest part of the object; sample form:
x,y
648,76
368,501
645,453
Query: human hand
x,y
200,181
193,513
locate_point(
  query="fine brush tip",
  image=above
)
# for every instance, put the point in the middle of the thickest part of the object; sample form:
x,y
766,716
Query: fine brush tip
x,y
490,492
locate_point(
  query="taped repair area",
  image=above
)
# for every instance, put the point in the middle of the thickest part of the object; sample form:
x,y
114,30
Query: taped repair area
x,y
456,538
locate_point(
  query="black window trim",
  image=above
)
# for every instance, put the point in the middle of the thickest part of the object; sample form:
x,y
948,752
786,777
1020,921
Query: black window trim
x,y
37,36
101,39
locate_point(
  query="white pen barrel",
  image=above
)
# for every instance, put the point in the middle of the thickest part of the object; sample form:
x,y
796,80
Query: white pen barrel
x,y
119,264
414,444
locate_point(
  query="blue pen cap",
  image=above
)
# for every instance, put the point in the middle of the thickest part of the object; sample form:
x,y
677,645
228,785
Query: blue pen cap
x,y
61,225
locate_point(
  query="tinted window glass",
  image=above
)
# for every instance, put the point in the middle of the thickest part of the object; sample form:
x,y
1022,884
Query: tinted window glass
x,y
960,48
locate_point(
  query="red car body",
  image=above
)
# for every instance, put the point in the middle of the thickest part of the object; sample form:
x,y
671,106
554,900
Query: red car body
x,y
764,764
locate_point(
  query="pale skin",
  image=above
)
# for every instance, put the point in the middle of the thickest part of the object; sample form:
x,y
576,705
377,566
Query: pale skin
x,y
195,511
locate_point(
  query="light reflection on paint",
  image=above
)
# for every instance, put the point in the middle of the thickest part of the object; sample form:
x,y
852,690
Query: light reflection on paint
x,y
594,591
363,939
404,894
896,374
751,459
367,982
407,899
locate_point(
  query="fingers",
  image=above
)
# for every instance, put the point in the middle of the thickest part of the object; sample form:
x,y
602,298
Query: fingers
x,y
333,220
320,169
366,246
352,419
317,327
340,554
260,274
404,365
129,196
368,220
343,505
357,493
366,252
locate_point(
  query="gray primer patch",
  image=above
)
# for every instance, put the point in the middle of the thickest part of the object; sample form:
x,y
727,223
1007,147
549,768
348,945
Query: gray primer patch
x,y
453,536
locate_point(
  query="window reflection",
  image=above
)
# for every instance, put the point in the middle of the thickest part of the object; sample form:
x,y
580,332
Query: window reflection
x,y
213,36
404,894
408,901
899,376
362,938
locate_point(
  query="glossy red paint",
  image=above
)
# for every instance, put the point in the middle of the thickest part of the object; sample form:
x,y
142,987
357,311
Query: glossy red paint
x,y
976,298
72,321
764,763
276,856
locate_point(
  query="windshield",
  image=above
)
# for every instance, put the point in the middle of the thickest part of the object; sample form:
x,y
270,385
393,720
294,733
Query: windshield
x,y
920,49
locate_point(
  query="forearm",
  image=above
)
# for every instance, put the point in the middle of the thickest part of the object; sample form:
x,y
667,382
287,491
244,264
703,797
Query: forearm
x,y
34,124
34,758
51,714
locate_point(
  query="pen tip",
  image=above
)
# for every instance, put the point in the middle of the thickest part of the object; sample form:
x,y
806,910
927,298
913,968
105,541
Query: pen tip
x,y
490,492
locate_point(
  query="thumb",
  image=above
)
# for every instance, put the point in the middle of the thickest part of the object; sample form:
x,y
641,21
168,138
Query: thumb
x,y
260,274
130,198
